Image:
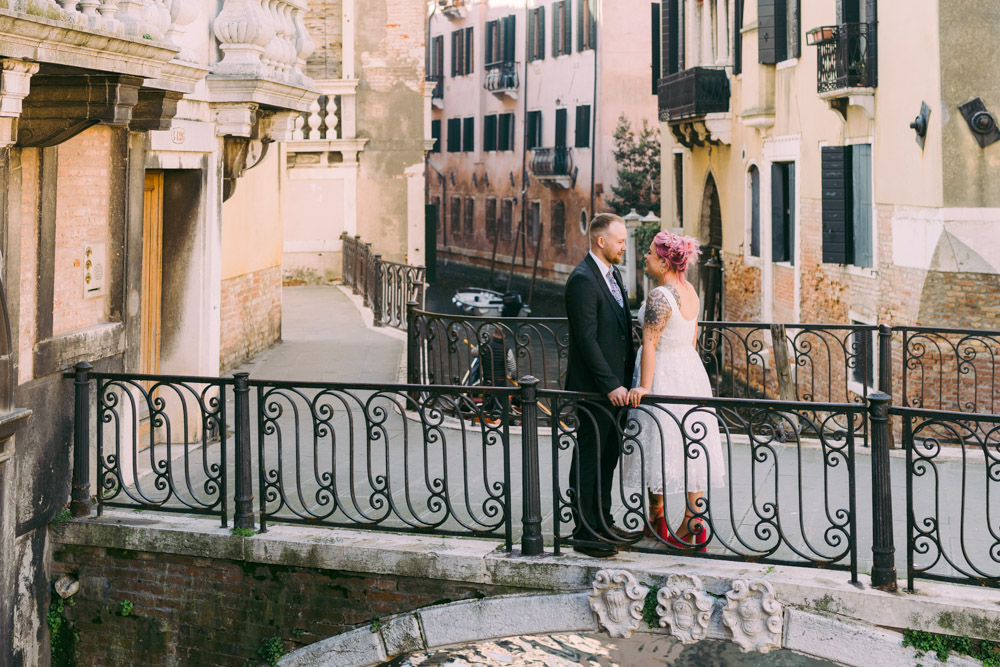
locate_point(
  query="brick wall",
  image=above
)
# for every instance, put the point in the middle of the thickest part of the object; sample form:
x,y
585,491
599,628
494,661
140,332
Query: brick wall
x,y
743,300
188,610
82,200
251,315
324,24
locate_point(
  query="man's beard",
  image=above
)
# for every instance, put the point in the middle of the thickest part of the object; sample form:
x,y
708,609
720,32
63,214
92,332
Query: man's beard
x,y
614,259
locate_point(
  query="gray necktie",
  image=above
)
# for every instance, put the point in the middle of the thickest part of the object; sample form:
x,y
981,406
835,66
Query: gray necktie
x,y
613,285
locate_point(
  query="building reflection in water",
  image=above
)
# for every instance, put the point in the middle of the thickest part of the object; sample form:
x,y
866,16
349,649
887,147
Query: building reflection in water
x,y
576,650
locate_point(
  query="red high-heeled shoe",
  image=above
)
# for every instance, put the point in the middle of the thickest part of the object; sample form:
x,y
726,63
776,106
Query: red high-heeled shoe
x,y
654,523
664,532
701,539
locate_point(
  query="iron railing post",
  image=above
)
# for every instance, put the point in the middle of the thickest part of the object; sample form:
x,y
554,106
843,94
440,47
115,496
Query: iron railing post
x,y
412,344
885,359
359,260
344,251
883,551
532,543
79,504
244,477
376,290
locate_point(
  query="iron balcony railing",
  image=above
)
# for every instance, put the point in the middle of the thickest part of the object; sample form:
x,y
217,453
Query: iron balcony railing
x,y
437,84
847,59
554,161
790,485
385,287
694,92
502,76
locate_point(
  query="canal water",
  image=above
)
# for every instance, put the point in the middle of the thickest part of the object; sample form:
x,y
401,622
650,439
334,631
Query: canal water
x,y
592,650
546,300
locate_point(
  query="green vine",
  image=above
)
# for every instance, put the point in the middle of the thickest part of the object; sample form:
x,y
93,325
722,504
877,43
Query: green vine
x,y
63,637
243,532
649,608
985,651
271,650
125,607
61,517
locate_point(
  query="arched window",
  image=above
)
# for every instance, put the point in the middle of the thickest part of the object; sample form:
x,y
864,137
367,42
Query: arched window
x,y
584,221
753,199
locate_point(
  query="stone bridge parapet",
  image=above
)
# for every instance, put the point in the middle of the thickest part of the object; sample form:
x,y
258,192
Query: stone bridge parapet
x,y
325,591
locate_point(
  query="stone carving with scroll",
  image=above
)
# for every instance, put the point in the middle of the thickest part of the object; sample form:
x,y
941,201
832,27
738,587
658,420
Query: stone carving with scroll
x,y
684,605
617,600
753,615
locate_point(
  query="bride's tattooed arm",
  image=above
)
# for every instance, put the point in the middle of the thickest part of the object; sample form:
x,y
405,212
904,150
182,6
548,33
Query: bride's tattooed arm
x,y
654,320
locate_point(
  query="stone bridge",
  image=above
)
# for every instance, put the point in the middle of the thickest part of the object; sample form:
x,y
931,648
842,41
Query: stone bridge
x,y
171,589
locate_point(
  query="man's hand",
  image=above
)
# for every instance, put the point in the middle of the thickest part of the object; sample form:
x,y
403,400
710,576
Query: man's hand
x,y
635,395
618,397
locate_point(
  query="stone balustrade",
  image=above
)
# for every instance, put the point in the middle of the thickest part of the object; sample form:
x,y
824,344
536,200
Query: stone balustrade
x,y
322,121
264,38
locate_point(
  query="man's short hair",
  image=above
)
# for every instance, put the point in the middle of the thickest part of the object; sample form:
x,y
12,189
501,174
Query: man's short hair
x,y
600,224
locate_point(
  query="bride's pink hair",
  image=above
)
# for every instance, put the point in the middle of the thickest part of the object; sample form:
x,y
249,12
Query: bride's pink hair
x,y
677,250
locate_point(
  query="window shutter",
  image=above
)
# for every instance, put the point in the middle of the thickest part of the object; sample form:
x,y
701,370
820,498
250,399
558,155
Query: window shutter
x,y
490,29
794,23
779,239
861,180
454,135
790,211
555,29
454,53
591,11
468,135
509,35
567,25
469,53
436,135
671,36
655,41
540,34
562,118
582,126
771,17
837,206
532,27
738,39
580,23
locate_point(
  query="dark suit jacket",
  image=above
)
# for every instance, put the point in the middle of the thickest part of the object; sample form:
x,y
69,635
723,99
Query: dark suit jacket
x,y
601,353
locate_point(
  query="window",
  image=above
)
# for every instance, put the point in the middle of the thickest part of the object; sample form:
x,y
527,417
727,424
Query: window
x,y
534,135
562,28
753,185
491,217
778,33
586,36
436,135
557,234
470,208
468,135
456,215
505,132
490,133
783,212
436,65
461,52
672,36
501,36
506,219
584,221
848,236
562,117
738,39
536,34
454,135
582,127
679,189
534,222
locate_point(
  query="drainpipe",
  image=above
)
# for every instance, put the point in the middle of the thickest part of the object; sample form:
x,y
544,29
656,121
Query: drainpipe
x,y
427,155
593,121
524,157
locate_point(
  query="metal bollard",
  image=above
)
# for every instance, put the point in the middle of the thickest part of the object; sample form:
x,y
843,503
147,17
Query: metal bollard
x,y
883,550
79,504
244,477
532,543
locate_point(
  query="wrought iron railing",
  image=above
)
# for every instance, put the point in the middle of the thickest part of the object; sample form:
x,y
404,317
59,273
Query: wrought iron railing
x,y
502,76
553,161
693,92
437,83
952,487
847,59
385,287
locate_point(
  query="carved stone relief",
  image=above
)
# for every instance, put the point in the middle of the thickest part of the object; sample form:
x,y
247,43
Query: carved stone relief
x,y
684,605
617,600
753,615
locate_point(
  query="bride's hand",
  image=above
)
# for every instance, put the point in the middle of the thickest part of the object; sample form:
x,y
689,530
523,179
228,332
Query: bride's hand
x,y
635,395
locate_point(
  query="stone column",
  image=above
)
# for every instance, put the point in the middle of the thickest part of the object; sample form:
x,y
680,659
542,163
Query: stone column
x,y
707,57
722,23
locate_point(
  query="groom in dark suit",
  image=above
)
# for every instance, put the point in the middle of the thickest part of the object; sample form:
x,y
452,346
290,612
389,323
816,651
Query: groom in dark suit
x,y
601,360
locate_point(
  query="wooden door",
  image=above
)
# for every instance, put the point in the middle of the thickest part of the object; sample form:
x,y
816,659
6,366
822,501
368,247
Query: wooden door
x,y
152,272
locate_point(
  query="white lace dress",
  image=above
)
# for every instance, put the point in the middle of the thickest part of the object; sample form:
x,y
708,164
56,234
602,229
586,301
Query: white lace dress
x,y
678,372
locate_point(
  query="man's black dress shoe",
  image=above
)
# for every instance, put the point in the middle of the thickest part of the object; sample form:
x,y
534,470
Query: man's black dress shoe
x,y
622,534
595,551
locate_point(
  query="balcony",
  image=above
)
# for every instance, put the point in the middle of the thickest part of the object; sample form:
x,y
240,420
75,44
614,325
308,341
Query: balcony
x,y
437,94
553,166
695,102
453,9
502,79
846,72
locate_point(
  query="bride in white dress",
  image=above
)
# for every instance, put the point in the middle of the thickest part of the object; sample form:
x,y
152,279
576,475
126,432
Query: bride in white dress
x,y
668,364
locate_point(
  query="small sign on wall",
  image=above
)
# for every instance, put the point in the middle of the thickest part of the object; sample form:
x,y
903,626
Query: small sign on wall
x,y
94,269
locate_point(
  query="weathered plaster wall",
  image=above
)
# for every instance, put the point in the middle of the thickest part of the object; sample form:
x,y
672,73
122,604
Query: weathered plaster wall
x,y
389,60
325,25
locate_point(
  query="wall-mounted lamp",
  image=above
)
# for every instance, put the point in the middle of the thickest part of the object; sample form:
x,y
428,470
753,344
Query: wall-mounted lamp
x,y
981,122
919,124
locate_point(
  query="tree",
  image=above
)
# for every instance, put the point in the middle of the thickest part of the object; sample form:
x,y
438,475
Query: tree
x,y
638,159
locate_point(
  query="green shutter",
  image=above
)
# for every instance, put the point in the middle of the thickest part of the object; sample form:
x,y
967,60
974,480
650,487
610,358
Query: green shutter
x,y
771,33
779,227
532,26
580,8
540,34
838,209
655,42
861,182
566,10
